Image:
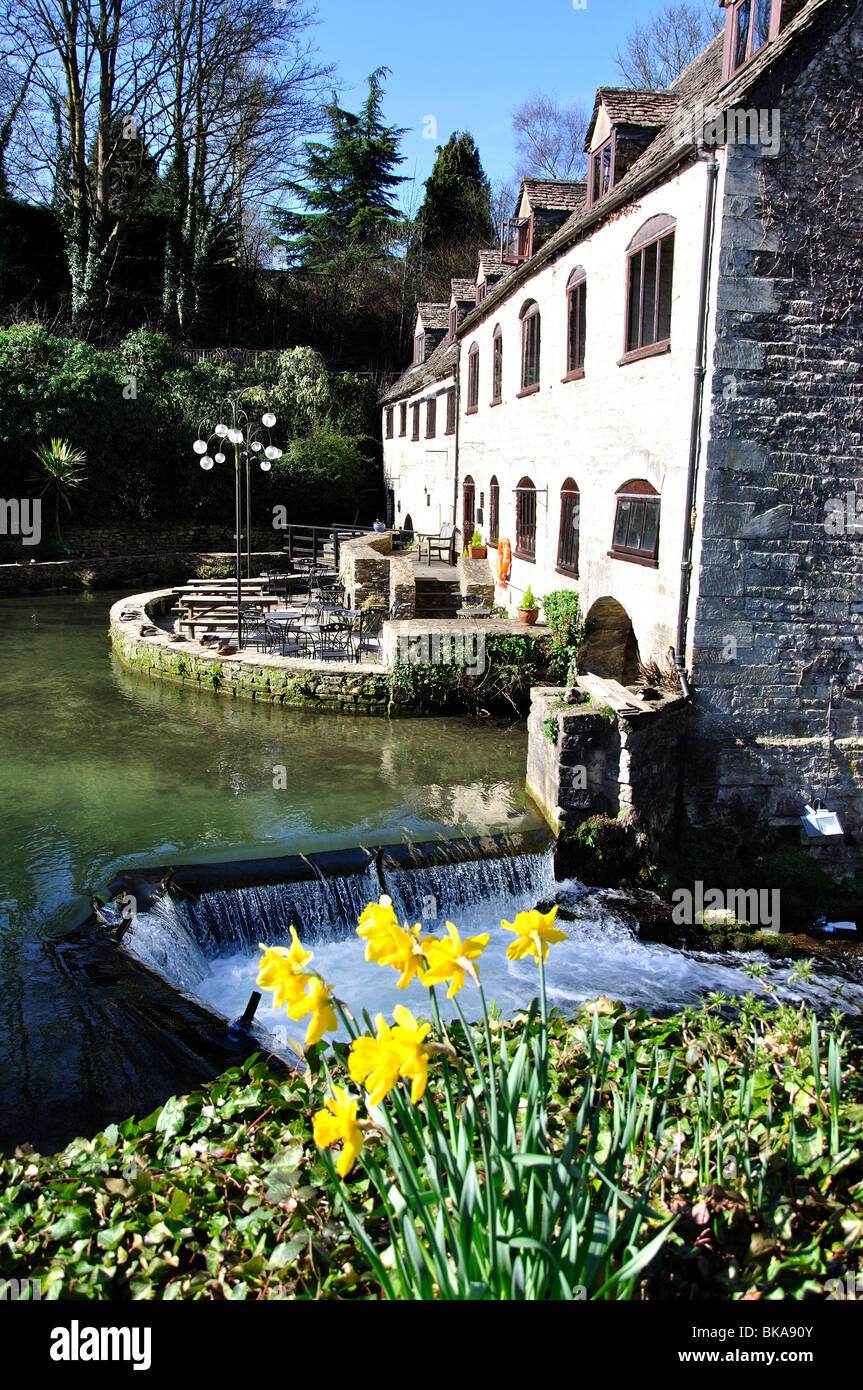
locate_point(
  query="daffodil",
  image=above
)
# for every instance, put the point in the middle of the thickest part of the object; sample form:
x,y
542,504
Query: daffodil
x,y
281,970
409,1037
389,944
400,1051
316,1001
338,1124
376,1062
451,958
535,931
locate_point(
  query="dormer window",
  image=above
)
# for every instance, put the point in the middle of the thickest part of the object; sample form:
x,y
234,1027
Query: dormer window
x,y
750,24
453,321
481,291
516,239
601,173
419,349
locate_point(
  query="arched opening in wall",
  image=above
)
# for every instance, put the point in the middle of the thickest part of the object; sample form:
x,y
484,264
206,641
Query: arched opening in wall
x,y
468,511
610,648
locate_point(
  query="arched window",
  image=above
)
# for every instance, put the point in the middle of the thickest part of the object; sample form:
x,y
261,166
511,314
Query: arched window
x,y
493,510
636,522
567,541
497,366
525,520
650,263
576,320
468,510
472,379
529,348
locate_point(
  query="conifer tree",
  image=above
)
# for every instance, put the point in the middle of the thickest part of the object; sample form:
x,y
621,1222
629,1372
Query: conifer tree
x,y
457,204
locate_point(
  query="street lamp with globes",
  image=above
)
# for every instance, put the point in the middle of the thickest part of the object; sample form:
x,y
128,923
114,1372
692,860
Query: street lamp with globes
x,y
239,433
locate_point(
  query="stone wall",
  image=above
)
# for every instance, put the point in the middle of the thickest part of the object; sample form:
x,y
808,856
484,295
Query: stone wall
x,y
132,571
586,760
370,569
476,577
779,609
340,686
95,541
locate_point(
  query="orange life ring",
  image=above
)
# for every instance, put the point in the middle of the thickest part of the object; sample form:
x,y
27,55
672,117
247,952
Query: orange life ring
x,y
504,562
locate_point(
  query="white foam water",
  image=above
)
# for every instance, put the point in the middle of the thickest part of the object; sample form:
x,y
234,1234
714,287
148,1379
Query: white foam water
x,y
211,950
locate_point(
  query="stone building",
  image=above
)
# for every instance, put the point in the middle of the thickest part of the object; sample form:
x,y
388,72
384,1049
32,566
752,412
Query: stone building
x,y
656,396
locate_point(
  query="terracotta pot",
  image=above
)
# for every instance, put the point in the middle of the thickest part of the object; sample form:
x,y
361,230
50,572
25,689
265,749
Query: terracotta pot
x,y
477,552
528,616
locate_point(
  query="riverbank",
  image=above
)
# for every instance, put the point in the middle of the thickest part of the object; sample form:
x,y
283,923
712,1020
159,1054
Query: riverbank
x,y
222,1194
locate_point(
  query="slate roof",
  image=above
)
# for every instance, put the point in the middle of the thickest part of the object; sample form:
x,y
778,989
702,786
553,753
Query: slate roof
x,y
641,106
555,195
490,264
434,315
699,86
463,291
439,365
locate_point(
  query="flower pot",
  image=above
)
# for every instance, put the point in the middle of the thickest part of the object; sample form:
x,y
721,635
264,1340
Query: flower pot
x,y
528,616
477,552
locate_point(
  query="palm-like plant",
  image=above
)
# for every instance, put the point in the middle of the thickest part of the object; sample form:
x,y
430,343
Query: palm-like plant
x,y
62,470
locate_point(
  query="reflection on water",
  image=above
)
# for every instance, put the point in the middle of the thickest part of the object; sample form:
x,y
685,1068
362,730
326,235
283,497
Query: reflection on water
x,y
102,768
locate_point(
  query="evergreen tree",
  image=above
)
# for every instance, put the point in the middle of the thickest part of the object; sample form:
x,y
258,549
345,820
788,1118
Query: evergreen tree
x,y
456,209
346,187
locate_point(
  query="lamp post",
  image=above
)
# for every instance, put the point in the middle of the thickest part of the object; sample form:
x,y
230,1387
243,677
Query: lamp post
x,y
240,433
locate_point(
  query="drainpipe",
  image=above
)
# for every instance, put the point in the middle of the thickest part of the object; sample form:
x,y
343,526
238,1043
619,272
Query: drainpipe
x,y
455,438
699,372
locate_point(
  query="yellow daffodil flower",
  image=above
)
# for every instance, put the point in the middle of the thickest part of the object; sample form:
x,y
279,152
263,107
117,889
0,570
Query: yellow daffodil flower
x,y
401,1051
450,959
376,1062
389,944
281,970
535,931
338,1124
317,1002
409,1036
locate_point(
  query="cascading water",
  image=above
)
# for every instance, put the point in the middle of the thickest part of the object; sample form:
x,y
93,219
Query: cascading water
x,y
209,946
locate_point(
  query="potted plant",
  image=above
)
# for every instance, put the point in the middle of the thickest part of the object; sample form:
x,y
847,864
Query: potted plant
x,y
476,550
529,610
380,525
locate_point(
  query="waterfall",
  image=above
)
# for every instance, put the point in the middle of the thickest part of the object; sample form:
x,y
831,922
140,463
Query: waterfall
x,y
163,939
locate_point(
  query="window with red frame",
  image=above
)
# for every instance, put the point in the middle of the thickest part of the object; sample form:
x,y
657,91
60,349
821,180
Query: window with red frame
x,y
493,510
750,24
390,418
567,541
636,522
530,346
453,321
601,171
473,379
415,421
450,412
431,418
650,268
497,366
525,520
468,510
403,419
576,311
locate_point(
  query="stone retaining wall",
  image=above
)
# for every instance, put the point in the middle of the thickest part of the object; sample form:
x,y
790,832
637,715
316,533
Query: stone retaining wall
x,y
371,570
144,571
341,686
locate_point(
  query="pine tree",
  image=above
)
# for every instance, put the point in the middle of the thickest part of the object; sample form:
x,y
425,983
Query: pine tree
x,y
346,188
456,209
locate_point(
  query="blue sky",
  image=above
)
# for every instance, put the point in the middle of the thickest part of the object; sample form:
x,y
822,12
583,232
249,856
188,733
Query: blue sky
x,y
469,63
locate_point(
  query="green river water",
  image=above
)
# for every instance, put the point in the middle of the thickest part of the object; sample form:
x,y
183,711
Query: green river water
x,y
102,768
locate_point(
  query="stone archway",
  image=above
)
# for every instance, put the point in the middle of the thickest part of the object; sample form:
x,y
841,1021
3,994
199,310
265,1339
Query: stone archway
x,y
610,648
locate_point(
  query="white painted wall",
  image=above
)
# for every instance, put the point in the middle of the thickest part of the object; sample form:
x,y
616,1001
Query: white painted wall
x,y
596,430
421,472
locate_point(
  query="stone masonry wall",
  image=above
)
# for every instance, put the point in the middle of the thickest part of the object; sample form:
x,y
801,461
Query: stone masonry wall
x,y
779,614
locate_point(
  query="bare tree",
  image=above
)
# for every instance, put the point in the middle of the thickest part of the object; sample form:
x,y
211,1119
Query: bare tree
x,y
503,195
549,139
656,52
